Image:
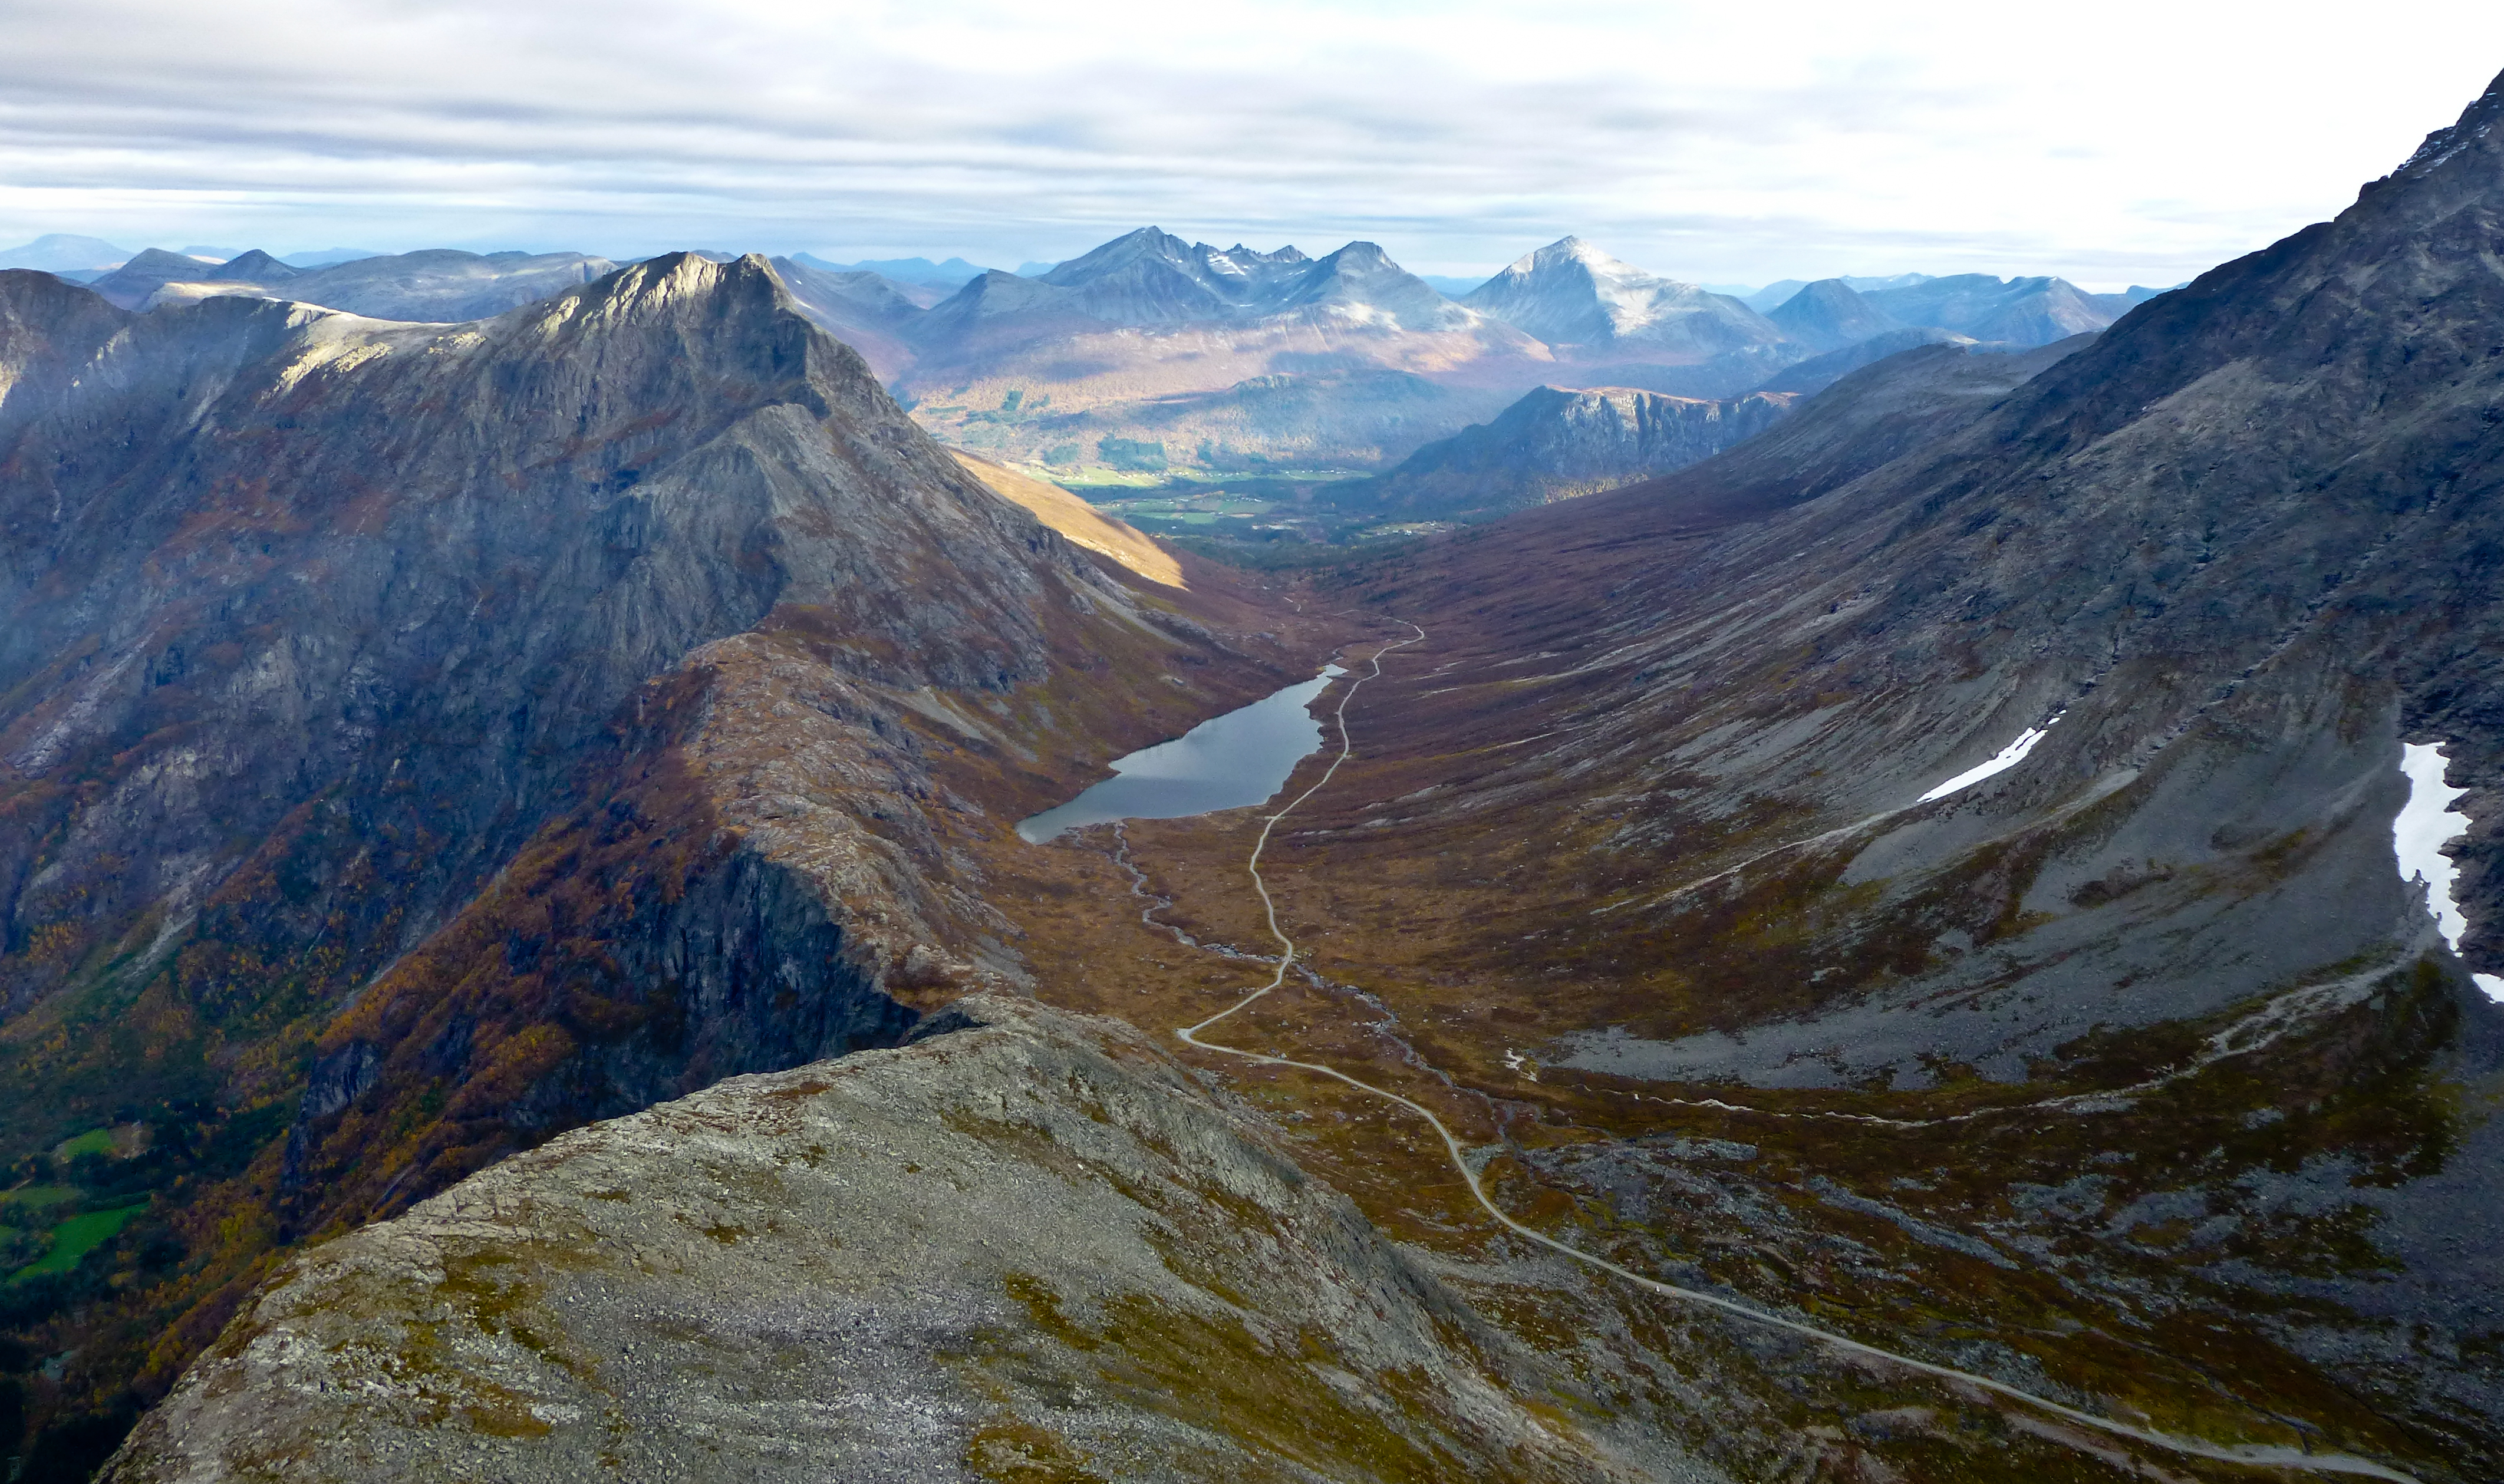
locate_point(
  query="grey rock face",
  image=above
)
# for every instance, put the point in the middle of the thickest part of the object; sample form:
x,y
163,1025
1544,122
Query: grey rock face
x,y
866,311
450,735
1031,1242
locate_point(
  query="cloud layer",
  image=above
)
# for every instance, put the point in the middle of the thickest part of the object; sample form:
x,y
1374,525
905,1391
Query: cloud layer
x,y
1717,143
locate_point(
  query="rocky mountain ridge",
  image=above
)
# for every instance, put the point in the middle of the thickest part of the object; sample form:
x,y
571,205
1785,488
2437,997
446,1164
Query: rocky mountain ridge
x,y
993,1244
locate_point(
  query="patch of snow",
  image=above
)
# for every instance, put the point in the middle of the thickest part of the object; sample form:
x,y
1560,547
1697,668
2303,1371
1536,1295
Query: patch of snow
x,y
2427,823
2000,762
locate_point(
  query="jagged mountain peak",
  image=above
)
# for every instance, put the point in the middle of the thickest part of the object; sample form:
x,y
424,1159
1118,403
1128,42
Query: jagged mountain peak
x,y
1128,247
2475,126
1576,253
1288,253
1571,292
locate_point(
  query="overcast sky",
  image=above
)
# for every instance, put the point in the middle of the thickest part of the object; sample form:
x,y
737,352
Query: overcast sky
x,y
2114,143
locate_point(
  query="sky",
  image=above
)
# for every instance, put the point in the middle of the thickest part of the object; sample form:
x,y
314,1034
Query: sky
x,y
2123,143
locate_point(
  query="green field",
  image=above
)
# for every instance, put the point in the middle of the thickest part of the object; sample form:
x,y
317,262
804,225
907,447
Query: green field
x,y
95,1141
78,1237
38,1197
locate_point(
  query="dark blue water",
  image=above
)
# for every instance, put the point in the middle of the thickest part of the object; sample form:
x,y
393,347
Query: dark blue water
x,y
1231,761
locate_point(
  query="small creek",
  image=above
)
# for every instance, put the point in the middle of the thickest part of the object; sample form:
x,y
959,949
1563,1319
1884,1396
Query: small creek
x,y
1231,761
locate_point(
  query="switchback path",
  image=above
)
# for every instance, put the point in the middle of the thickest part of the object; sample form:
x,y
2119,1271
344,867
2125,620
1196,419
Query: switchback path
x,y
2251,1454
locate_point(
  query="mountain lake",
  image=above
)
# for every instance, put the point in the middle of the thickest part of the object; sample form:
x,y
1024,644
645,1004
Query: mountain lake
x,y
1231,761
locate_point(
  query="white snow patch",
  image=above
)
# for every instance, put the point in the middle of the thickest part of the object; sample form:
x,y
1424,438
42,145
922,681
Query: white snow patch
x,y
2427,823
2000,762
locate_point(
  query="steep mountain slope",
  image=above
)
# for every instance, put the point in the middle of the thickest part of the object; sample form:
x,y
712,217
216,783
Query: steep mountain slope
x,y
1658,812
418,740
1556,443
1080,523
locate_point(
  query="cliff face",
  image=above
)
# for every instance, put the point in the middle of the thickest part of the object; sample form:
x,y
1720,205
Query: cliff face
x,y
1556,443
1029,1245
418,740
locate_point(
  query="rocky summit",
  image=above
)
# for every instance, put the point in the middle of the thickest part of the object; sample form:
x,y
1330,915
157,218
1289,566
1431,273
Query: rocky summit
x,y
1953,937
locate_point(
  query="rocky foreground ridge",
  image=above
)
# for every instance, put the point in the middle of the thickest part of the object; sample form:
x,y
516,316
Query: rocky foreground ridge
x,y
1029,1245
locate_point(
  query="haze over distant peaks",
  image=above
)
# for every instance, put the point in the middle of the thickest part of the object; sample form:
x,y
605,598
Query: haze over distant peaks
x,y
438,285
1827,315
63,253
1779,292
1150,279
953,273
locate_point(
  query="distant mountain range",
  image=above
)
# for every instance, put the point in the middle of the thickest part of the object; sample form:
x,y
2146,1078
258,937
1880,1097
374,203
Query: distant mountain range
x,y
1774,294
440,285
1150,352
62,252
952,274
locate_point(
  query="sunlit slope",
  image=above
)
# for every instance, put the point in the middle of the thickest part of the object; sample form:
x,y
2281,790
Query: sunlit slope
x,y
1078,521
